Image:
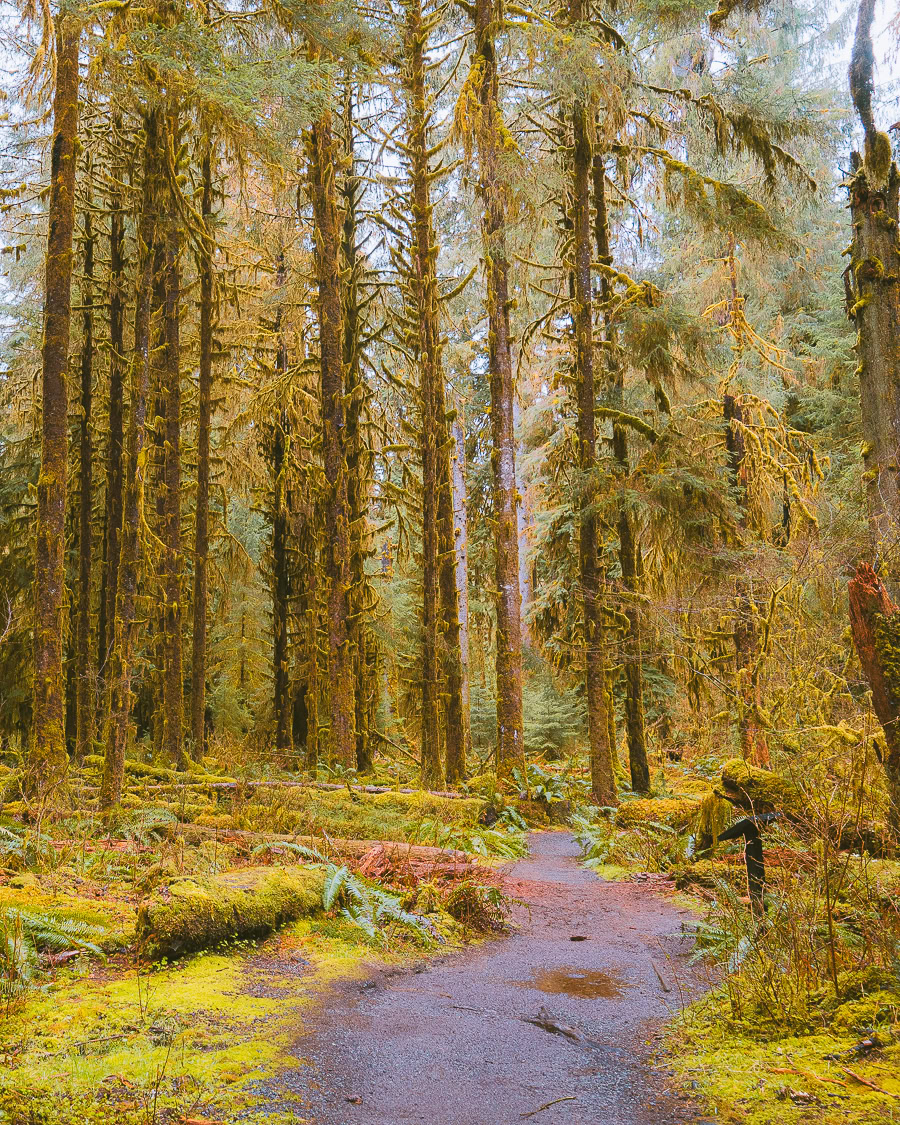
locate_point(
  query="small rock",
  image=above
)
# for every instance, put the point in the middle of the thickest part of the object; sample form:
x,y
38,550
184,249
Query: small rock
x,y
354,1099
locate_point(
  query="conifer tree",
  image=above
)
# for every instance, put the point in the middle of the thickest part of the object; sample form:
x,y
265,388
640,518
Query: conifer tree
x,y
47,757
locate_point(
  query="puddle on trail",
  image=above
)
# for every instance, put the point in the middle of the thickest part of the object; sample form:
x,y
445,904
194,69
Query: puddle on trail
x,y
589,984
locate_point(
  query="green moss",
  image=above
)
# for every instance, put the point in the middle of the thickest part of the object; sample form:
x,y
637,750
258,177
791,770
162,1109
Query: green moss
x,y
713,817
758,789
674,812
192,914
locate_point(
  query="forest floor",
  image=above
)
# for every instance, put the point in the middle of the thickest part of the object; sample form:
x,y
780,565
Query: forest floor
x,y
556,1023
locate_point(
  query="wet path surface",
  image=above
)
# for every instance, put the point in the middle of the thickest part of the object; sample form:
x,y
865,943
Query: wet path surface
x,y
563,1011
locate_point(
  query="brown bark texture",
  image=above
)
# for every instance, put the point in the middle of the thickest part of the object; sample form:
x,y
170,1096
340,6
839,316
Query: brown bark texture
x,y
875,624
204,422
632,648
510,742
603,782
173,559
324,158
873,289
115,438
85,710
280,533
121,656
47,761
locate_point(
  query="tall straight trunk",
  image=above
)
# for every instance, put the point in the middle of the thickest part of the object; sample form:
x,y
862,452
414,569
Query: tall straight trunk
x,y
115,465
425,340
204,421
356,453
510,742
312,660
173,561
47,760
632,655
121,656
461,570
874,298
85,710
324,158
603,782
754,745
280,567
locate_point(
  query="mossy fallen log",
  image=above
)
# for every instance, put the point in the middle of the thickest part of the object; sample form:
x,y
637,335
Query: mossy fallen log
x,y
674,812
759,790
189,915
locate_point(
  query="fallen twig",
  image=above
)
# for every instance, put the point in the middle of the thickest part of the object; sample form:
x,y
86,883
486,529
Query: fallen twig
x,y
546,1105
865,1082
659,976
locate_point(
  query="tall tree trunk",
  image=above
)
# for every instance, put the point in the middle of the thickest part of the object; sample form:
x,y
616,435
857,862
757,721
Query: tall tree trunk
x,y
874,297
47,760
356,452
280,565
461,571
121,656
173,674
875,624
324,158
603,782
312,656
204,421
628,551
85,708
510,743
114,471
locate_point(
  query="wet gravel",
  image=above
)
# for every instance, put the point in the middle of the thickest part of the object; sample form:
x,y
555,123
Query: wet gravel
x,y
554,1024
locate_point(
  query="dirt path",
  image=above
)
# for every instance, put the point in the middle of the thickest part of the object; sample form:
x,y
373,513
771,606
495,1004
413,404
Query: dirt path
x,y
451,1043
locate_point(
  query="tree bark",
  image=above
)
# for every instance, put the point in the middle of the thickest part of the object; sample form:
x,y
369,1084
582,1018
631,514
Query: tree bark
x,y
510,742
121,657
173,560
85,707
603,782
461,573
874,297
875,624
204,421
358,459
47,760
628,551
324,158
280,533
114,471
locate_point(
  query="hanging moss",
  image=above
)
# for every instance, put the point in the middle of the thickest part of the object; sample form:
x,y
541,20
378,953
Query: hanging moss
x,y
713,817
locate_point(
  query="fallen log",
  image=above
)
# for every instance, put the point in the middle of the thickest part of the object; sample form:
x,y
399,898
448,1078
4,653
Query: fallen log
x,y
394,850
189,915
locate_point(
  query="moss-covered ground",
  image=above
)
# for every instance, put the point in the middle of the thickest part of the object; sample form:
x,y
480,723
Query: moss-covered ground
x,y
192,1040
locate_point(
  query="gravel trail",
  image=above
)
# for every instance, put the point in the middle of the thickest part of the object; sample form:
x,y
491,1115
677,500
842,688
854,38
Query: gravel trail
x,y
553,1024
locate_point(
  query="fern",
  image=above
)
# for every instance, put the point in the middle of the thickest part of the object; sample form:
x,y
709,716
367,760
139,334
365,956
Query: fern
x,y
288,845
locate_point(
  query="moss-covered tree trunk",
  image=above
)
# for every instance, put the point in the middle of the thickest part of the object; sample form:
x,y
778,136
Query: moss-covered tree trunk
x,y
628,550
875,623
280,531
47,759
874,290
510,744
603,782
115,438
204,422
357,453
461,572
173,559
121,656
323,161
85,710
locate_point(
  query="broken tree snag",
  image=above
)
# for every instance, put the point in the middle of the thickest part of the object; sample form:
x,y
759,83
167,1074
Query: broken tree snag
x,y
873,291
875,623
